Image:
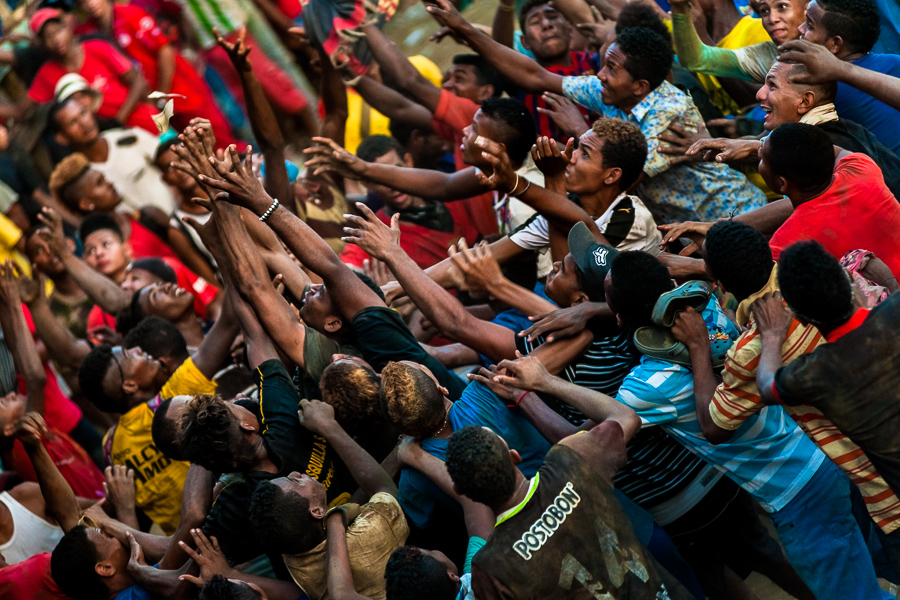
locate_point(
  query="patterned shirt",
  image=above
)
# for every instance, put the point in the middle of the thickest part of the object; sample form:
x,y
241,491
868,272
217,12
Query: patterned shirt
x,y
768,456
737,398
691,191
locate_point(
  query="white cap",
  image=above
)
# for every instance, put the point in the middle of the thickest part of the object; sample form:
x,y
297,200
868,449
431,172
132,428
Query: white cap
x,y
71,83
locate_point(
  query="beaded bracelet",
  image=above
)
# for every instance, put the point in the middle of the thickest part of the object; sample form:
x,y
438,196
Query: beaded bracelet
x,y
270,210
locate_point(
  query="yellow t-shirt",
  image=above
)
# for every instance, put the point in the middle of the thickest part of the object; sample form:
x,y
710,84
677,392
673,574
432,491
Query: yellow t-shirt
x,y
10,235
747,32
159,480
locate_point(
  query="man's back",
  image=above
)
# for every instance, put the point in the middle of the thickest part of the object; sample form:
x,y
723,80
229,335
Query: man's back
x,y
857,211
876,116
855,381
853,137
568,539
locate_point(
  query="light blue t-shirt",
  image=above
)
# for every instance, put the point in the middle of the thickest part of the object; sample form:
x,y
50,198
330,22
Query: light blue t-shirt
x,y
769,456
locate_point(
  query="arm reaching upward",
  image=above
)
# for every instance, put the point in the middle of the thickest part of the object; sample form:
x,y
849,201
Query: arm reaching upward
x,y
19,340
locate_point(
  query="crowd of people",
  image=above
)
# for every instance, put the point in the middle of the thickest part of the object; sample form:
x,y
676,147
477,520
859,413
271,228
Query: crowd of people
x,y
606,309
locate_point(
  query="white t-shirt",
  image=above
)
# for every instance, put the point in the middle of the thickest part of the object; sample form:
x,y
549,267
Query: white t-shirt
x,y
131,170
642,235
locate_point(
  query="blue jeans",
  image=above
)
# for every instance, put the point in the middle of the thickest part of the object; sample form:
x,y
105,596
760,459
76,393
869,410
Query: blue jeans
x,y
823,541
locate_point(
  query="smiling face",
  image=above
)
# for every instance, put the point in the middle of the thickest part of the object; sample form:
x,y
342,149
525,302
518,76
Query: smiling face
x,y
547,34
618,84
105,251
138,279
778,98
393,199
585,173
166,301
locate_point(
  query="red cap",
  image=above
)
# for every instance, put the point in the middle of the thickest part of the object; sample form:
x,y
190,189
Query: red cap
x,y
41,17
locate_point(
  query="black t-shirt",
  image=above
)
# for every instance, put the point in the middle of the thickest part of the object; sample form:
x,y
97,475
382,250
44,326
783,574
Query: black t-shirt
x,y
568,539
855,381
292,448
382,336
853,137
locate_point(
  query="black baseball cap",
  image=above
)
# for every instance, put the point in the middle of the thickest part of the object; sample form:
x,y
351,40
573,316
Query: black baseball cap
x,y
593,258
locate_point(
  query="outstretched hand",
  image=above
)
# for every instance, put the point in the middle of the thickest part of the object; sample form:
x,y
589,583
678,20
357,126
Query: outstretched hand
x,y
208,556
237,51
9,287
446,14
136,560
564,113
198,143
316,416
504,177
558,324
693,230
480,269
209,231
329,156
237,181
678,141
31,429
549,158
370,234
526,373
487,377
53,235
723,149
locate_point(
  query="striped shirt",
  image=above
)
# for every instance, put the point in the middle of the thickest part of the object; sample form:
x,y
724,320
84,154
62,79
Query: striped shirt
x,y
737,398
768,456
224,15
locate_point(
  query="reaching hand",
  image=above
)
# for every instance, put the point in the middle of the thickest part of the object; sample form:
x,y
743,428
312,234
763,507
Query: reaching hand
x,y
597,32
329,156
53,235
771,315
564,113
526,373
821,64
119,487
240,185
549,158
209,231
136,561
480,269
558,324
96,512
30,429
208,556
197,145
724,149
693,230
373,236
377,272
684,267
316,416
446,14
504,177
237,51
9,288
31,290
679,141
505,391
690,329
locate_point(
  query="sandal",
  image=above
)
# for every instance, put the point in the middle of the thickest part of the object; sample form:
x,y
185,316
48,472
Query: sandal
x,y
692,293
659,343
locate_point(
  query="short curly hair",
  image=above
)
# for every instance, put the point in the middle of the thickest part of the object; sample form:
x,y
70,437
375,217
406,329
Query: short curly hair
x,y
640,14
638,280
814,284
210,436
355,394
479,465
739,257
164,431
857,22
624,146
219,588
92,376
73,563
282,521
802,154
518,133
376,146
65,175
158,338
648,55
411,400
409,571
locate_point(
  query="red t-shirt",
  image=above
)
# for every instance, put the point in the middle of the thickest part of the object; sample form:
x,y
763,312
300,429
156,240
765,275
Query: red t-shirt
x,y
59,410
103,68
472,216
30,580
425,246
76,466
856,212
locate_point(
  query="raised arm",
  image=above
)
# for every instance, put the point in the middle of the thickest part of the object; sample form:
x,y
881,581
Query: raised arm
x,y
399,72
425,183
508,63
393,104
339,581
19,340
344,286
61,501
215,348
693,54
442,309
318,417
823,66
